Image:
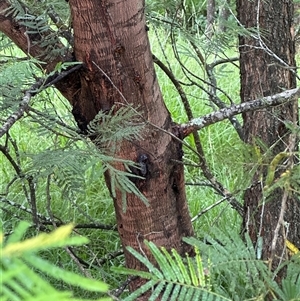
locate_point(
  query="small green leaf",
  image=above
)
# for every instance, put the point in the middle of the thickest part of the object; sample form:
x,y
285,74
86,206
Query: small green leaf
x,y
167,292
57,238
146,262
144,288
157,291
18,232
163,264
182,267
193,274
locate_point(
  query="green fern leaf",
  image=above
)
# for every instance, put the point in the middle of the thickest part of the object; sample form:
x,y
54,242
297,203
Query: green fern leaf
x,y
157,291
185,276
192,271
174,271
146,262
167,292
143,289
200,268
164,282
18,233
183,293
160,259
126,271
57,238
175,293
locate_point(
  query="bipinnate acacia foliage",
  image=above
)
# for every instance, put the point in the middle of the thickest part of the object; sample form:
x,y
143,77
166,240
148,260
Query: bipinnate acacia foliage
x,y
225,267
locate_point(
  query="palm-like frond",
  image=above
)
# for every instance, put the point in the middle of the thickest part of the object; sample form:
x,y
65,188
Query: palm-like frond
x,y
237,272
227,270
174,278
235,269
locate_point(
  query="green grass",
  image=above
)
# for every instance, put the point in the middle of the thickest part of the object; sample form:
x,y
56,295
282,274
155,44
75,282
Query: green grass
x,y
220,142
93,204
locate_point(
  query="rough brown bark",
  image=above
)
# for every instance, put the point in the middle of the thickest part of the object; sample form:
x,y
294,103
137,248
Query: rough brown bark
x,y
110,38
264,58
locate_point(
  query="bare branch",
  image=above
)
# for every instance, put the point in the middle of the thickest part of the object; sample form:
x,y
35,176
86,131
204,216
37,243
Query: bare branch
x,y
208,208
213,182
177,85
118,291
212,87
274,100
10,121
23,208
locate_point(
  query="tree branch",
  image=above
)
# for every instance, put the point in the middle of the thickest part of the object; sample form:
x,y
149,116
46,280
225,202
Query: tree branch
x,y
32,45
274,100
28,43
212,88
39,86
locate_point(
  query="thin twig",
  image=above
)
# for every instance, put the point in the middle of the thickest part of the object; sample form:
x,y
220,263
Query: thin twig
x,y
78,263
208,208
118,291
280,224
23,208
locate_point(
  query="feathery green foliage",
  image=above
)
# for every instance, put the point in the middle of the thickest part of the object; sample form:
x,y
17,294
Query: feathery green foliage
x,y
235,270
237,273
111,128
22,268
228,270
47,149
174,278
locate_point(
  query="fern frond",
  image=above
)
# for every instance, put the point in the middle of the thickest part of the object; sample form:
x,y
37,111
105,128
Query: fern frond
x,y
172,279
120,180
61,274
58,238
152,269
13,79
234,269
67,167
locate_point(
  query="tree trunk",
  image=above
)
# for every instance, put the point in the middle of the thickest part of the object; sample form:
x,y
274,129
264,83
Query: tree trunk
x,y
264,60
110,38
224,14
210,17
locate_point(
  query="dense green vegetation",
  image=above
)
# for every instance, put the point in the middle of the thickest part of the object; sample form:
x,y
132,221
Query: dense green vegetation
x,y
45,156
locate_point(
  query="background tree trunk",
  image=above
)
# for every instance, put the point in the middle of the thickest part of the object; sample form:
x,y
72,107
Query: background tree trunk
x,y
210,17
111,37
264,61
